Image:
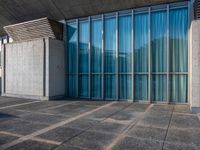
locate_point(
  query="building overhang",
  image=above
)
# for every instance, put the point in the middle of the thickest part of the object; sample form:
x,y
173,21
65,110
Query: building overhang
x,y
39,28
16,11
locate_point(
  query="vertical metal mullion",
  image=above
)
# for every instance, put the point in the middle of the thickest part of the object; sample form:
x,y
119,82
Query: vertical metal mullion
x,y
102,63
4,69
149,57
189,21
117,62
77,83
66,58
132,35
168,54
89,57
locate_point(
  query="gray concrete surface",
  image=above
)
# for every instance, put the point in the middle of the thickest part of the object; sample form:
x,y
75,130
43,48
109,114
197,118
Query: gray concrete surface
x,y
194,75
23,70
89,125
34,69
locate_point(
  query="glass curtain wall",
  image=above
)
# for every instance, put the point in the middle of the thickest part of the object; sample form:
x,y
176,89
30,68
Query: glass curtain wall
x,y
125,57
159,55
110,57
178,64
83,62
141,60
96,57
139,55
72,51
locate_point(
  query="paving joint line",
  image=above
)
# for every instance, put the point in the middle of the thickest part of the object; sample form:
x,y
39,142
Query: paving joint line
x,y
34,139
53,107
86,105
168,128
19,104
121,135
51,127
42,113
114,113
182,113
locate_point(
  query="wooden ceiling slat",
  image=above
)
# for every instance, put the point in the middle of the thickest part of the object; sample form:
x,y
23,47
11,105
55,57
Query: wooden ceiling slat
x,y
33,29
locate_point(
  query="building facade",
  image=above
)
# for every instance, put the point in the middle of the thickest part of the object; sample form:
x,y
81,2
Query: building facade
x,y
137,54
146,52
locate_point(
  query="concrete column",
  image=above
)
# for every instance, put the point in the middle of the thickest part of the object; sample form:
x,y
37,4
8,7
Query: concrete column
x,y
2,68
194,80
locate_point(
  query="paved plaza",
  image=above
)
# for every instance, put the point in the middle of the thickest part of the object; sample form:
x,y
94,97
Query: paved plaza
x,y
96,125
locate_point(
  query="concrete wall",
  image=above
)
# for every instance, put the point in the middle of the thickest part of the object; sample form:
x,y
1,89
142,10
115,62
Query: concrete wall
x,y
56,68
28,69
24,68
195,66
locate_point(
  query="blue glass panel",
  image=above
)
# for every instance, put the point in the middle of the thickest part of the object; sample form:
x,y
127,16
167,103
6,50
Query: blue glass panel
x,y
110,86
178,42
83,86
96,86
125,44
141,87
125,87
72,83
141,42
110,45
83,46
159,41
71,48
178,88
159,88
96,46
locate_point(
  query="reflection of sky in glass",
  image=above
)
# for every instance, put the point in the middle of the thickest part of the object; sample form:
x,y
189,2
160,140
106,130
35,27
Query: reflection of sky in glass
x,y
125,43
110,45
96,46
159,41
179,23
83,47
72,32
72,47
141,42
96,33
157,32
141,31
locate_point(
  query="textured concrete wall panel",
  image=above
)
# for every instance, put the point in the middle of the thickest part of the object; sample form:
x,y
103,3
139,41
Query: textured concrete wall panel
x,y
24,69
195,64
56,68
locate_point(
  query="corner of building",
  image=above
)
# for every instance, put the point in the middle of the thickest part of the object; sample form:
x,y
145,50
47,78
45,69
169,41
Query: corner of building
x,y
195,66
